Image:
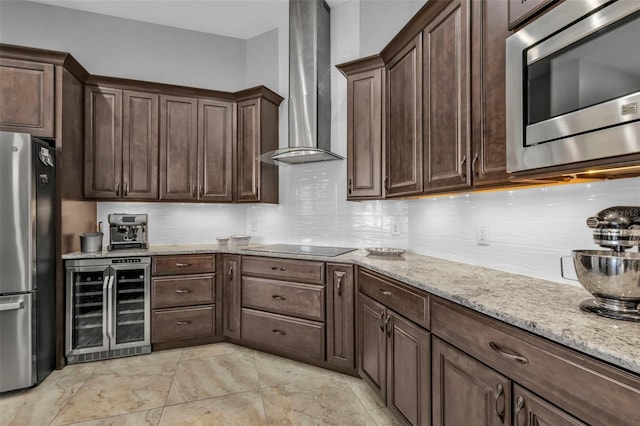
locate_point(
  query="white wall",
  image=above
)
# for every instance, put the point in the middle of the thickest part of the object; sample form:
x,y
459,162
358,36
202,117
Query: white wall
x,y
380,21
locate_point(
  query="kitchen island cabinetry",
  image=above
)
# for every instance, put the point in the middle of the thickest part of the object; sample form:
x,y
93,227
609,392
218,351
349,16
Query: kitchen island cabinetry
x,y
121,144
183,301
26,97
394,353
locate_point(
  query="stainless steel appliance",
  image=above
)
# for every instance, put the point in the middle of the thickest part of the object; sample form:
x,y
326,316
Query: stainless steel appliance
x,y
300,249
27,261
612,276
108,308
573,85
128,231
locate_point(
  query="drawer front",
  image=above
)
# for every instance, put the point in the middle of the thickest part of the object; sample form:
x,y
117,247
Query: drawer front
x,y
570,380
178,324
286,334
305,271
184,264
300,300
186,290
410,304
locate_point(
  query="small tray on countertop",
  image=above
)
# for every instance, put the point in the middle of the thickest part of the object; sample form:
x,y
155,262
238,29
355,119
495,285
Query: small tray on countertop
x,y
385,251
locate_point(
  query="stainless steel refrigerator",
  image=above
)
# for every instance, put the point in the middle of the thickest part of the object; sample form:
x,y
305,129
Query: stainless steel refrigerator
x,y
27,261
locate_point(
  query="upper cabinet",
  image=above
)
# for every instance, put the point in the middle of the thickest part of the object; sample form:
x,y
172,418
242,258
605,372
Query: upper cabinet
x,y
165,146
121,144
26,97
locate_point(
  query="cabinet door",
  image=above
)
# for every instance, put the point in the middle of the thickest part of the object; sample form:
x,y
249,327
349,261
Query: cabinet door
x,y
465,391
531,410
404,121
139,145
231,296
340,316
364,135
446,99
248,181
102,142
215,150
488,59
372,344
408,370
26,97
178,148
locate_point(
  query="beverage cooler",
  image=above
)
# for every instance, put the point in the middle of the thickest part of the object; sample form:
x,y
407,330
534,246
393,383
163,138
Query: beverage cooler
x,y
108,308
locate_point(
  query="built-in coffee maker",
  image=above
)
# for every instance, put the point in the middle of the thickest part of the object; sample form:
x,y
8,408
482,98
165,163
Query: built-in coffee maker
x,y
127,231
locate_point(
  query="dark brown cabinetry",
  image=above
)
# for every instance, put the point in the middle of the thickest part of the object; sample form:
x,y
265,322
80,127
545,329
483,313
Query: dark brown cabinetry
x,y
522,10
231,295
404,121
121,144
257,133
26,97
340,316
446,101
183,300
215,150
466,391
365,82
530,410
394,354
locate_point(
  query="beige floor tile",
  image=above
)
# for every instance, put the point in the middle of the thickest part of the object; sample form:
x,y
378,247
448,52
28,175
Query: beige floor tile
x,y
371,402
327,401
39,405
274,370
141,418
202,378
238,409
131,389
215,349
125,363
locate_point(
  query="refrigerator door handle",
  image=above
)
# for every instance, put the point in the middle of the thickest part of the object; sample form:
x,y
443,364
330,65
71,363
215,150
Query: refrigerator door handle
x,y
110,308
13,306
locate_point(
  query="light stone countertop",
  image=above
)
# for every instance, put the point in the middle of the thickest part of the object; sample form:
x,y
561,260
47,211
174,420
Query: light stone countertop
x,y
541,307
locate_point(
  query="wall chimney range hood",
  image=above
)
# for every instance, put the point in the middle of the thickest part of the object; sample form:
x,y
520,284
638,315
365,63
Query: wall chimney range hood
x,y
309,85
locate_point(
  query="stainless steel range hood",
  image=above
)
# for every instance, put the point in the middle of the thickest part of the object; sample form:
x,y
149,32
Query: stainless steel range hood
x,y
309,85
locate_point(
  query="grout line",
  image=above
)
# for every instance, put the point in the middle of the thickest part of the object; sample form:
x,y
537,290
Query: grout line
x,y
72,395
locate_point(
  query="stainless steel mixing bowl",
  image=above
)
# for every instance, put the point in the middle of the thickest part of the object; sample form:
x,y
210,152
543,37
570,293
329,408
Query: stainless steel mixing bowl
x,y
613,278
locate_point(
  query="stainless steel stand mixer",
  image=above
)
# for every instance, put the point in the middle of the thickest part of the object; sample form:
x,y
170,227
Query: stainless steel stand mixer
x,y
612,276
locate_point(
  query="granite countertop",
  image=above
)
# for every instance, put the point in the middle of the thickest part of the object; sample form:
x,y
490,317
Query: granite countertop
x,y
541,307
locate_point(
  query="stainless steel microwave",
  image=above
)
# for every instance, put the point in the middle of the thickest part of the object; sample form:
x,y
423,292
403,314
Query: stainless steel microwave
x,y
573,85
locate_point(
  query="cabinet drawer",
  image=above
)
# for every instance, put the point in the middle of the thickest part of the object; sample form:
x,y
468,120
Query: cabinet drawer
x,y
300,300
184,264
178,324
570,380
285,269
410,304
187,290
286,334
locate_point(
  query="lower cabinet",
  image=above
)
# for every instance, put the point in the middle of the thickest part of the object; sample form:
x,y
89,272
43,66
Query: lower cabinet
x,y
395,360
231,296
183,303
341,339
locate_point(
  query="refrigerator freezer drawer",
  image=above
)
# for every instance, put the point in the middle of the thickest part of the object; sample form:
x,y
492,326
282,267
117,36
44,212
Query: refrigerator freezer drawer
x,y
16,335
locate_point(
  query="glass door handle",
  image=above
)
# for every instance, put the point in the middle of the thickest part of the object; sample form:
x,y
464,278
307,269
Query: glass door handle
x,y
110,308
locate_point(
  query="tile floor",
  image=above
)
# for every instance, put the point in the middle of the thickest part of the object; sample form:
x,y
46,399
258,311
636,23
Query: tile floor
x,y
219,384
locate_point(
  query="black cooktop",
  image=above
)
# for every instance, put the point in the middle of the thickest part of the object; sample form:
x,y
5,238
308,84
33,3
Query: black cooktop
x,y
301,249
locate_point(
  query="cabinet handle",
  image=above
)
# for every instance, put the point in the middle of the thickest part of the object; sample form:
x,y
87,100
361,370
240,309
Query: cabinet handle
x,y
182,265
276,268
499,394
201,192
117,189
349,186
279,332
519,407
464,172
183,290
339,285
183,322
476,174
380,317
126,189
276,297
231,273
386,325
385,292
386,183
193,191
513,356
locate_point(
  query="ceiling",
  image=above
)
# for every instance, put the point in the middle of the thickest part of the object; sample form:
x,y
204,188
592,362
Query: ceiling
x,y
232,18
